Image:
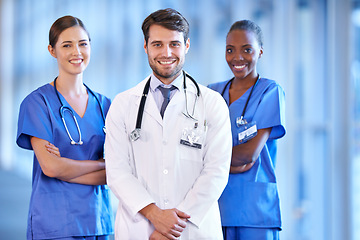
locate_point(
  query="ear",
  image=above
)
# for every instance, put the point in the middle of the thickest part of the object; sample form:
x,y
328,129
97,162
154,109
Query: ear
x,y
145,46
261,52
187,45
52,51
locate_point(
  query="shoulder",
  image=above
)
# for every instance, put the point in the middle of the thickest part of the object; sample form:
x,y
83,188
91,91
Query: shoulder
x,y
266,84
218,86
39,95
102,98
123,98
212,98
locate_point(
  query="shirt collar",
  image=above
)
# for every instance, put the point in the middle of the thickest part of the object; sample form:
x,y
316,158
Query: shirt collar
x,y
155,82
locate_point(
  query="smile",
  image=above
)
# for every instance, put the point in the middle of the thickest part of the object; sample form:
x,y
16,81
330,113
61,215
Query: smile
x,y
239,67
76,61
166,62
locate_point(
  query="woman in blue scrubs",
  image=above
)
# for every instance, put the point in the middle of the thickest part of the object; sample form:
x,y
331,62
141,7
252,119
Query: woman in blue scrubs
x,y
70,199
249,205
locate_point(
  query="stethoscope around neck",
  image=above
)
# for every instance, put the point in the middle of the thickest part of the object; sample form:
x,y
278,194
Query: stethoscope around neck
x,y
64,108
135,134
241,120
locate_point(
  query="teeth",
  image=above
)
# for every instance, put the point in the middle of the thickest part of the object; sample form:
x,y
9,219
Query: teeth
x,y
239,67
76,61
167,62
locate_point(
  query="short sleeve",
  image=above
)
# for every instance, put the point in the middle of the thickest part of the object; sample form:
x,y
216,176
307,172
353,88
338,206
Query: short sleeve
x,y
34,120
271,111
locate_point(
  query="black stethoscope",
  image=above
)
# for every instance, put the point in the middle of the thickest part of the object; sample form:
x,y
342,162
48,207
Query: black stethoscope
x,y
135,134
241,120
65,108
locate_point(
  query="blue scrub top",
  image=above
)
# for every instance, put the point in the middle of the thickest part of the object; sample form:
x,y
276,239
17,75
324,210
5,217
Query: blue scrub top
x,y
251,199
58,208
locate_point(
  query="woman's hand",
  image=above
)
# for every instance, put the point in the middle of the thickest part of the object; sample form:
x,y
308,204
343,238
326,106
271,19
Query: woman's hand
x,y
242,168
52,149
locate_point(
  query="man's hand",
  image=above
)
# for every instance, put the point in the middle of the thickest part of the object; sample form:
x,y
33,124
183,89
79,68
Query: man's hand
x,y
169,222
157,236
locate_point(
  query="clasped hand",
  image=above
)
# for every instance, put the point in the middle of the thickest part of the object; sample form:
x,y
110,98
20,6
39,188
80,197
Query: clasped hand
x,y
169,223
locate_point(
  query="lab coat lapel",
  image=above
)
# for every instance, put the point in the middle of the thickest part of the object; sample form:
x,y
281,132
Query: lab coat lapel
x,y
150,105
152,109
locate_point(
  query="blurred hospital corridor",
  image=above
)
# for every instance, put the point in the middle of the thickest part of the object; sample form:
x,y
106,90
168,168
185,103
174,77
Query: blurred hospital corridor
x,y
311,48
14,204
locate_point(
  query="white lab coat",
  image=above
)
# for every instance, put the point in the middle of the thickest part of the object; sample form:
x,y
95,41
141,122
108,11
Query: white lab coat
x,y
158,169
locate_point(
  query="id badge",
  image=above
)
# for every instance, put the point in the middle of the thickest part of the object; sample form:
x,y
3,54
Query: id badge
x,y
246,132
192,136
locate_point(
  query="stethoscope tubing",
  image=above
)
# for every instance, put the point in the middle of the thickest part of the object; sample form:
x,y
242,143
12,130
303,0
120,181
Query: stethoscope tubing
x,y
135,134
64,108
247,101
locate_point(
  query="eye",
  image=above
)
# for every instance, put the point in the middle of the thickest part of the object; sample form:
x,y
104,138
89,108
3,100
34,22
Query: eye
x,y
229,50
248,50
66,45
84,44
157,45
175,44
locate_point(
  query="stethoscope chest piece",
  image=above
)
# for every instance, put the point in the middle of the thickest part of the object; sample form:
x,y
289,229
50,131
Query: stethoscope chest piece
x,y
135,134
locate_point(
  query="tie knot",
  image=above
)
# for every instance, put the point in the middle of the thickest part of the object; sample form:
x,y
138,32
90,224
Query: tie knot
x,y
166,91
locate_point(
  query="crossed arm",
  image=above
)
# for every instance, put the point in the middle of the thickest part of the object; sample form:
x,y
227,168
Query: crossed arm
x,y
88,172
244,155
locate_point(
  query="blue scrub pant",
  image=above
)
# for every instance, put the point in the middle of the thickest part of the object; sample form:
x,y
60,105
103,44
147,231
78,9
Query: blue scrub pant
x,y
246,233
86,238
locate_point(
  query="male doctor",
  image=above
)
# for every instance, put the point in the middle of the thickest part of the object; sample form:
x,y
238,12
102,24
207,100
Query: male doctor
x,y
167,162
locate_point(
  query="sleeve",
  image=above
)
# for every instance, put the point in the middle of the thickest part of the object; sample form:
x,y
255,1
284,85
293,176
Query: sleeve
x,y
271,112
34,120
120,170
217,155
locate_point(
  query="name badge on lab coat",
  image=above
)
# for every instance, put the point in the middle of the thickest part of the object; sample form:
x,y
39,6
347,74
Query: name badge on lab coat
x,y
192,136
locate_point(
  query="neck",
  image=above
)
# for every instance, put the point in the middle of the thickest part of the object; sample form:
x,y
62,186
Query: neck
x,y
244,83
70,85
168,80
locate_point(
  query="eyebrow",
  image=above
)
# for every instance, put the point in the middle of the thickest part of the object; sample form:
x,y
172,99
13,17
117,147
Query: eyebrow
x,y
155,41
159,41
245,45
82,40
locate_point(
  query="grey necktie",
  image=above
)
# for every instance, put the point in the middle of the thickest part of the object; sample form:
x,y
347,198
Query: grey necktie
x,y
166,94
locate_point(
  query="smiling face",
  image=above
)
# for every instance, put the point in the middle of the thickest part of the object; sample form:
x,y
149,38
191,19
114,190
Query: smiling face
x,y
72,51
242,53
166,52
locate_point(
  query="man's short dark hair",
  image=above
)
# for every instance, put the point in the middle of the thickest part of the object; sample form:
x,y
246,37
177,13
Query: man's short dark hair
x,y
167,18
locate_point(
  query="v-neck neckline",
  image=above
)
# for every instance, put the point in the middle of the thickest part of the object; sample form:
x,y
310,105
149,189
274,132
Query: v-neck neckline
x,y
69,105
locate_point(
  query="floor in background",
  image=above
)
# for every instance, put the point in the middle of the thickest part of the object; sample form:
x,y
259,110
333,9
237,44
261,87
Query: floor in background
x,y
14,203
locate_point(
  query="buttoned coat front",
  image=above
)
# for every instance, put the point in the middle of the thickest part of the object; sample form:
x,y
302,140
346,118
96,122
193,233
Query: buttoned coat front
x,y
158,169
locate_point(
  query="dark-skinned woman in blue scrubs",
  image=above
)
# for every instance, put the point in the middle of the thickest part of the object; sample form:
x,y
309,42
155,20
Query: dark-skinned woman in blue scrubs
x,y
249,205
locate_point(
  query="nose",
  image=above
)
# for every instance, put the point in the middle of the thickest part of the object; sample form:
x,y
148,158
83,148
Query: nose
x,y
167,51
238,56
76,50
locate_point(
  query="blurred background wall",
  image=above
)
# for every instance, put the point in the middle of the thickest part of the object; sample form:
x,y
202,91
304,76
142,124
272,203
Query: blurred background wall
x,y
311,48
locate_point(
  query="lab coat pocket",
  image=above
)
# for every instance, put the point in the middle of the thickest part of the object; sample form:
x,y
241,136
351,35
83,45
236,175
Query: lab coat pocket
x,y
190,165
